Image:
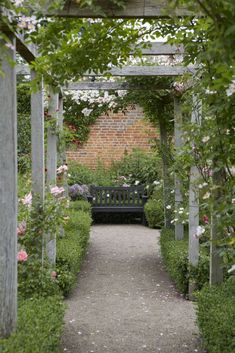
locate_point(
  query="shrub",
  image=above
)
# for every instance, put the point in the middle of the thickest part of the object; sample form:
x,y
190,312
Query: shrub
x,y
71,249
139,165
81,205
79,174
35,280
78,192
153,210
39,327
216,317
175,256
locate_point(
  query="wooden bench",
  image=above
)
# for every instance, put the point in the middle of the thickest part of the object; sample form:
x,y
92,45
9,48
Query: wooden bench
x,y
118,199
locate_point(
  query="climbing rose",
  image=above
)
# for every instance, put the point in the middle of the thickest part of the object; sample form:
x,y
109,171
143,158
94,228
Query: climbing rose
x,y
27,200
53,275
56,191
22,256
200,230
21,229
231,269
205,219
62,169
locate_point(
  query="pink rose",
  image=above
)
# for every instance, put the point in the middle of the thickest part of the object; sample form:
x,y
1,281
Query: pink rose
x,y
22,256
27,200
53,275
205,219
21,229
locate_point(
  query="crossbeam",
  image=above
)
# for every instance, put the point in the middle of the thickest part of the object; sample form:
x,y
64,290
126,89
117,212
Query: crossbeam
x,y
109,86
131,71
132,9
161,48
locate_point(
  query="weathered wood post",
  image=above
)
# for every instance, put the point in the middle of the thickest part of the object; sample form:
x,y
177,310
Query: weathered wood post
x,y
194,201
179,227
53,109
166,175
216,270
37,141
8,195
62,148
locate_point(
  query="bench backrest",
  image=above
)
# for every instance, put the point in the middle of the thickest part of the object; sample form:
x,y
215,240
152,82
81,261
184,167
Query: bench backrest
x,y
117,196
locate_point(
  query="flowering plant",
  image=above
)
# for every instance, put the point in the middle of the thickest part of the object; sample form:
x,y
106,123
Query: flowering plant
x,y
79,192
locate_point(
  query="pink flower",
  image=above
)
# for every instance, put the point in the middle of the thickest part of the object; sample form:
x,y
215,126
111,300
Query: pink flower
x,y
27,200
205,219
56,191
62,169
53,275
22,256
21,229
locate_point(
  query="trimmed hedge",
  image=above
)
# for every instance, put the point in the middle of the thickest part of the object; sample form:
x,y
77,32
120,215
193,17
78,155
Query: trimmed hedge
x,y
175,256
39,327
81,205
216,317
71,249
40,318
153,211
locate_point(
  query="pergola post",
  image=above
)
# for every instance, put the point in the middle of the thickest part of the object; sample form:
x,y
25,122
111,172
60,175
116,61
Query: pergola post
x,y
166,176
37,142
8,194
52,162
194,201
179,227
216,270
53,109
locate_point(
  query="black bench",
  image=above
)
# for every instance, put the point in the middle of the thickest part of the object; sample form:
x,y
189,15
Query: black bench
x,y
118,199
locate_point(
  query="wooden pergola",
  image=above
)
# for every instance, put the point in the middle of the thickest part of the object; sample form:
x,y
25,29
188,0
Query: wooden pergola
x,y
8,141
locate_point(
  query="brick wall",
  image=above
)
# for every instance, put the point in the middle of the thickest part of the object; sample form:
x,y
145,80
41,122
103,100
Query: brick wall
x,y
112,135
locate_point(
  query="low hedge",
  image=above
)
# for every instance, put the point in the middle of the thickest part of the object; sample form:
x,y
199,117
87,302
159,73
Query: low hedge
x,y
216,317
153,210
81,205
175,256
39,327
71,249
41,309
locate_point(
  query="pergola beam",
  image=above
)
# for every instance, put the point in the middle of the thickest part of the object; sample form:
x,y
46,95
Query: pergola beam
x,y
109,86
132,9
163,70
161,48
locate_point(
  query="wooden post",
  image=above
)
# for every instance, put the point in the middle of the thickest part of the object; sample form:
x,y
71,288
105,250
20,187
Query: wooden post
x,y
52,162
52,137
179,227
166,176
216,270
194,202
8,195
37,141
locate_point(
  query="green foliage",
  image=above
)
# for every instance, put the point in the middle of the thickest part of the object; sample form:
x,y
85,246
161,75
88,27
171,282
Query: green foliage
x,y
216,315
71,248
175,255
34,279
153,209
81,205
39,327
144,167
23,126
81,174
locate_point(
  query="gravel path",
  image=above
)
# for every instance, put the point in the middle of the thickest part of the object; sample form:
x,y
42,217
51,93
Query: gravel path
x,y
124,301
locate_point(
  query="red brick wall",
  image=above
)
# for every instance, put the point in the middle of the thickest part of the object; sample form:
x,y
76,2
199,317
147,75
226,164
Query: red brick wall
x,y
112,135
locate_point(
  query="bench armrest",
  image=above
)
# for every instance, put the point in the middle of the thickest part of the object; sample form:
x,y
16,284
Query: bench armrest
x,y
89,199
144,198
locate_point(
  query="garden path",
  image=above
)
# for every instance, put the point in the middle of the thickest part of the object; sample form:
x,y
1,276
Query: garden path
x,y
124,301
